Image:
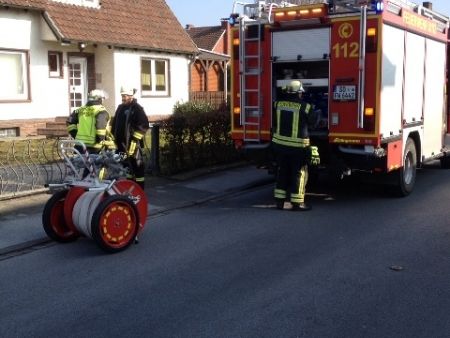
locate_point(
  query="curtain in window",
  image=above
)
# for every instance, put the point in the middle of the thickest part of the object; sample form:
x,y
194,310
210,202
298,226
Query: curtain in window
x,y
160,75
146,75
12,83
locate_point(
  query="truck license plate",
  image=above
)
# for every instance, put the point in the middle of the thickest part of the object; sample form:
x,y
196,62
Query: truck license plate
x,y
344,93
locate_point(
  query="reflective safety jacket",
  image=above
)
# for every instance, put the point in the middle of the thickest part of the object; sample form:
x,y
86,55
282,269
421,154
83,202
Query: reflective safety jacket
x,y
88,124
129,125
290,125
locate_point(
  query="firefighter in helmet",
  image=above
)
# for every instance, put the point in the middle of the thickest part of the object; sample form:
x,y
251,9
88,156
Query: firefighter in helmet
x,y
292,117
129,125
89,123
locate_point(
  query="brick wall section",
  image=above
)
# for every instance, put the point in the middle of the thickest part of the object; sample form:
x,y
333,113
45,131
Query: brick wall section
x,y
30,127
157,118
197,84
26,127
215,78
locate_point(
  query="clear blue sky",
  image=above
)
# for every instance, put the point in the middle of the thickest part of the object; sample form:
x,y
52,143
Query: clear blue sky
x,y
201,12
209,12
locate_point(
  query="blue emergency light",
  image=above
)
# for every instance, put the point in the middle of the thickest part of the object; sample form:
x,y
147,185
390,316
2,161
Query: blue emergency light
x,y
233,19
377,6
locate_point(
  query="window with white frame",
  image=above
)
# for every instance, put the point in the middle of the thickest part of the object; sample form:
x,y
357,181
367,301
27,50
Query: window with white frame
x,y
15,74
55,64
154,77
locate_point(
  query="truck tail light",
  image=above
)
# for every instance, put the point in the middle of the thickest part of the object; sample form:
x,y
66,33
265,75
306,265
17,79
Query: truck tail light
x,y
369,119
236,117
371,40
235,51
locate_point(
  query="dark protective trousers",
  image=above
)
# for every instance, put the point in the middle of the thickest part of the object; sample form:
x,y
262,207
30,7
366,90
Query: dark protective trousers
x,y
137,165
292,174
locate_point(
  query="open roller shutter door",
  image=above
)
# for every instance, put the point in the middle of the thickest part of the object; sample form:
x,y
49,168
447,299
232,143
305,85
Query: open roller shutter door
x,y
309,43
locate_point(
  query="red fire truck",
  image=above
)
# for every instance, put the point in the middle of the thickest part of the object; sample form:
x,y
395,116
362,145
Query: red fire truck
x,y
375,70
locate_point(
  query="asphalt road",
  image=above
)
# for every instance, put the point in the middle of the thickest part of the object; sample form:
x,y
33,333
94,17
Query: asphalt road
x,y
360,264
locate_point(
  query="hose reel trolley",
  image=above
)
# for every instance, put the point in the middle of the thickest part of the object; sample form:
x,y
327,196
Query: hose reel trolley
x,y
95,201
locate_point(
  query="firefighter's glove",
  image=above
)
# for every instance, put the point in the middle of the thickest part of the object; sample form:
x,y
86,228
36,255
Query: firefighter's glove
x,y
132,148
315,157
109,144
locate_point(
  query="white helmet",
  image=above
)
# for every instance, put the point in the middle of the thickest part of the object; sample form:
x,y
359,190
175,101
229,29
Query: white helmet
x,y
127,91
97,94
295,86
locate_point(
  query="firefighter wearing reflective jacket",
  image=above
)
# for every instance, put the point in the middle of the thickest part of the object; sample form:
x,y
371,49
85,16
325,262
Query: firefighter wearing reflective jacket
x,y
290,141
129,125
89,123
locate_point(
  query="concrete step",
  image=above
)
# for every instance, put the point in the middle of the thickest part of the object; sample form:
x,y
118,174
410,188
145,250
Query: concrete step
x,y
53,132
61,119
56,125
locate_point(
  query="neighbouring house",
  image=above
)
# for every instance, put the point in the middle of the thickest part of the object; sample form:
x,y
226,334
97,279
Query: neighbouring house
x,y
209,72
53,52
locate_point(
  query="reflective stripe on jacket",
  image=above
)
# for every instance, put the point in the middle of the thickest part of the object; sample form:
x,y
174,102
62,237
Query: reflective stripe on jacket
x,y
290,125
88,130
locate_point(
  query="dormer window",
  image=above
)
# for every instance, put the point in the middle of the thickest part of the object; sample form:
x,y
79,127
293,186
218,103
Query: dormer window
x,y
86,3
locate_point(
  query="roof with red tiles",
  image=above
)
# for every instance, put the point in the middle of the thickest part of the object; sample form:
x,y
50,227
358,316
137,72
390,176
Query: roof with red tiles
x,y
206,37
144,24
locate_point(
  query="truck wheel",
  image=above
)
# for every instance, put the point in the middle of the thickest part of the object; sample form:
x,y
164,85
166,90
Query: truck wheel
x,y
406,176
115,223
445,162
53,220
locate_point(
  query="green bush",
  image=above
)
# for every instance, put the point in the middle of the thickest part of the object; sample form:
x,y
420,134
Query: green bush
x,y
194,136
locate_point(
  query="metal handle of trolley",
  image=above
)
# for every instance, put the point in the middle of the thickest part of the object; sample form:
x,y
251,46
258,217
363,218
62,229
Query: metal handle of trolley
x,y
96,202
101,166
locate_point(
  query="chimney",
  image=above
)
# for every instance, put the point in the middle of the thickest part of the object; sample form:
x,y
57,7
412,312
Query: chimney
x,y
428,4
189,26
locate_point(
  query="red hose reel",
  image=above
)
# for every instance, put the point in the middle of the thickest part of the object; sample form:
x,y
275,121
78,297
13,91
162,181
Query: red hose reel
x,y
110,211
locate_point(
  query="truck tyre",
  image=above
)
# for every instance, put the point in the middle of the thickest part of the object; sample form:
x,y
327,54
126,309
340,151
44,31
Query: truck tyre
x,y
406,176
445,162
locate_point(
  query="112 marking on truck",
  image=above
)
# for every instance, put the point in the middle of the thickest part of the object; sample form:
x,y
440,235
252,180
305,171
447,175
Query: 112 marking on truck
x,y
376,70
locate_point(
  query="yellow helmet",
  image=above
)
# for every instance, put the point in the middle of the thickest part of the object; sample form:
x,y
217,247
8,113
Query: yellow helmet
x,y
127,91
97,94
295,86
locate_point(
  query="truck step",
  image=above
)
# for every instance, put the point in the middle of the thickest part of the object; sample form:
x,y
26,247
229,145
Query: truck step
x,y
250,123
252,71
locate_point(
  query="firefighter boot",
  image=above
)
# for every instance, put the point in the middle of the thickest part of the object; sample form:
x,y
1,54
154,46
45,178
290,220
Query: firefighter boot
x,y
300,207
279,203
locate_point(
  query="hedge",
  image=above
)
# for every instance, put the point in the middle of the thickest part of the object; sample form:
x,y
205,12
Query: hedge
x,y
194,136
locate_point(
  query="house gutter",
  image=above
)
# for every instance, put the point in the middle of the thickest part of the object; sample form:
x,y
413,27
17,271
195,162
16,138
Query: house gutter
x,y
26,7
51,24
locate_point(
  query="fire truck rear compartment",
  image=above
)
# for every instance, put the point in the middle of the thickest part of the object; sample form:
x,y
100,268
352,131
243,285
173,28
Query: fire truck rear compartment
x,y
314,77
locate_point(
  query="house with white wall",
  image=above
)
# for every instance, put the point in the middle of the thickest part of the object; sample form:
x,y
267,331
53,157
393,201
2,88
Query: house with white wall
x,y
53,52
